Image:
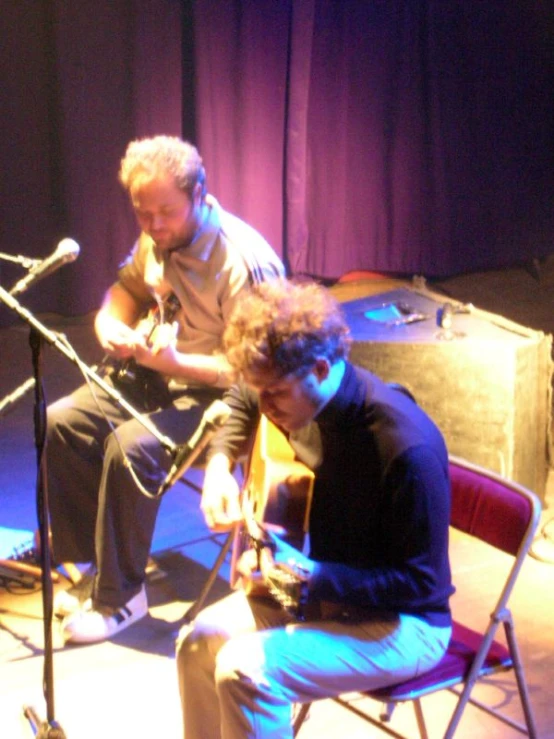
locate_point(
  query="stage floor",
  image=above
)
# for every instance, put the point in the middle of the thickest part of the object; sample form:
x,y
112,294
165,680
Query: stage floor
x,y
127,687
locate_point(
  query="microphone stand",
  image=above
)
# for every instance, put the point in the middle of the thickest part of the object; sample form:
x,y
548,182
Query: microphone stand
x,y
39,332
25,262
50,728
21,391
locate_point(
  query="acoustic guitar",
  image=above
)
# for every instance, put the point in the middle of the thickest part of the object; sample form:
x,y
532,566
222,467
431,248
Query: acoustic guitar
x,y
141,385
276,500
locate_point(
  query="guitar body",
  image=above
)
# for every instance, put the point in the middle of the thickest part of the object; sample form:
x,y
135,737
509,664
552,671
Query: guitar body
x,y
142,386
277,494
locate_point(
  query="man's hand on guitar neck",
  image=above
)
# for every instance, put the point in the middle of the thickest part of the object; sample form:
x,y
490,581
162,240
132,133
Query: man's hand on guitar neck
x,y
220,495
283,554
272,567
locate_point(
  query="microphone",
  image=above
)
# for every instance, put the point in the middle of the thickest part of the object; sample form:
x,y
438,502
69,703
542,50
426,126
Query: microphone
x,y
66,251
213,419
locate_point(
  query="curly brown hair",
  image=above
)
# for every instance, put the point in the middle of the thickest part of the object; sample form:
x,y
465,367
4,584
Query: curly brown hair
x,y
146,159
283,326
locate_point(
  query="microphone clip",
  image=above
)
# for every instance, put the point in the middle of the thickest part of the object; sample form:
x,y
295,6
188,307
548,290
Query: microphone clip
x,y
185,455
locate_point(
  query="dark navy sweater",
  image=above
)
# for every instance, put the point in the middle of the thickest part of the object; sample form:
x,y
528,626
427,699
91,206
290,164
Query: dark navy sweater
x,y
381,505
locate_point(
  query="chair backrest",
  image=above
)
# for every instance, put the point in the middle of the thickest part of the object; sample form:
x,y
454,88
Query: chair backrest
x,y
500,512
491,508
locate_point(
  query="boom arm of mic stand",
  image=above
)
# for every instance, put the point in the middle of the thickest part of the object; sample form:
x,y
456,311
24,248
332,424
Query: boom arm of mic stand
x,y
20,392
53,340
25,262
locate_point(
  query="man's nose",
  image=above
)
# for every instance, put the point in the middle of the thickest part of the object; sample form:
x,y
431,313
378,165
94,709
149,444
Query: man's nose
x,y
156,222
266,403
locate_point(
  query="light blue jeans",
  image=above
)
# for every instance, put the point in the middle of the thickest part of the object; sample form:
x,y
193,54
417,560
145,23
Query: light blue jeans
x,y
243,663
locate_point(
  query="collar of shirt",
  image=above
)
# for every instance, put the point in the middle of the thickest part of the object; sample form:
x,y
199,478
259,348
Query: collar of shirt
x,y
345,406
341,410
202,244
307,445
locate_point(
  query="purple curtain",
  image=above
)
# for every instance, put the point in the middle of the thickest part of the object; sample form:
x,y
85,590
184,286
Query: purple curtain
x,y
79,81
241,73
409,136
403,136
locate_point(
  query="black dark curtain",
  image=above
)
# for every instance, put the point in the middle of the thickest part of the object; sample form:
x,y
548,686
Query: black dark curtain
x,y
79,80
409,136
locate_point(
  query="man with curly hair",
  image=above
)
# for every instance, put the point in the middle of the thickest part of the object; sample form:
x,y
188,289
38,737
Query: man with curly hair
x,y
195,258
374,584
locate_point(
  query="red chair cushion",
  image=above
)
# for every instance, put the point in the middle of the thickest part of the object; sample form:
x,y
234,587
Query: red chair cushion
x,y
452,669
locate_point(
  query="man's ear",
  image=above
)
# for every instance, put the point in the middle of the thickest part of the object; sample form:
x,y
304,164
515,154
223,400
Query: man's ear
x,y
197,194
322,367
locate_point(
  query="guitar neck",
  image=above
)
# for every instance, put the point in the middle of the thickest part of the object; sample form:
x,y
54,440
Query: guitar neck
x,y
276,496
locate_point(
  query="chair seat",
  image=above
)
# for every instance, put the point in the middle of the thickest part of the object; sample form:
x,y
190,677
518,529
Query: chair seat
x,y
451,670
502,514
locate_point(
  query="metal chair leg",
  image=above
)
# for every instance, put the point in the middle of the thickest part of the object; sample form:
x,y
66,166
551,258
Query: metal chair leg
x,y
192,612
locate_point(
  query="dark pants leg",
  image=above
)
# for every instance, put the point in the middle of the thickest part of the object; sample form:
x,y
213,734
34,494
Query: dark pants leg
x,y
97,511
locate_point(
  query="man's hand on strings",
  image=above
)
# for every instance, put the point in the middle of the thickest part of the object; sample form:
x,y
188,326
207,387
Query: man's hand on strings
x,y
117,338
220,496
159,350
163,336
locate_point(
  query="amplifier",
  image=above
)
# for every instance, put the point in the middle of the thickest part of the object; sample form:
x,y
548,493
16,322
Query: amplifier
x,y
485,380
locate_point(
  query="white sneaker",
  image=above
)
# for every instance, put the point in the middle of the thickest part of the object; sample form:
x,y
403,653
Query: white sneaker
x,y
88,625
67,603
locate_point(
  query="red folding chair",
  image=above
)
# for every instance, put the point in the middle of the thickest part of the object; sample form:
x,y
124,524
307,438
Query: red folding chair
x,y
505,515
